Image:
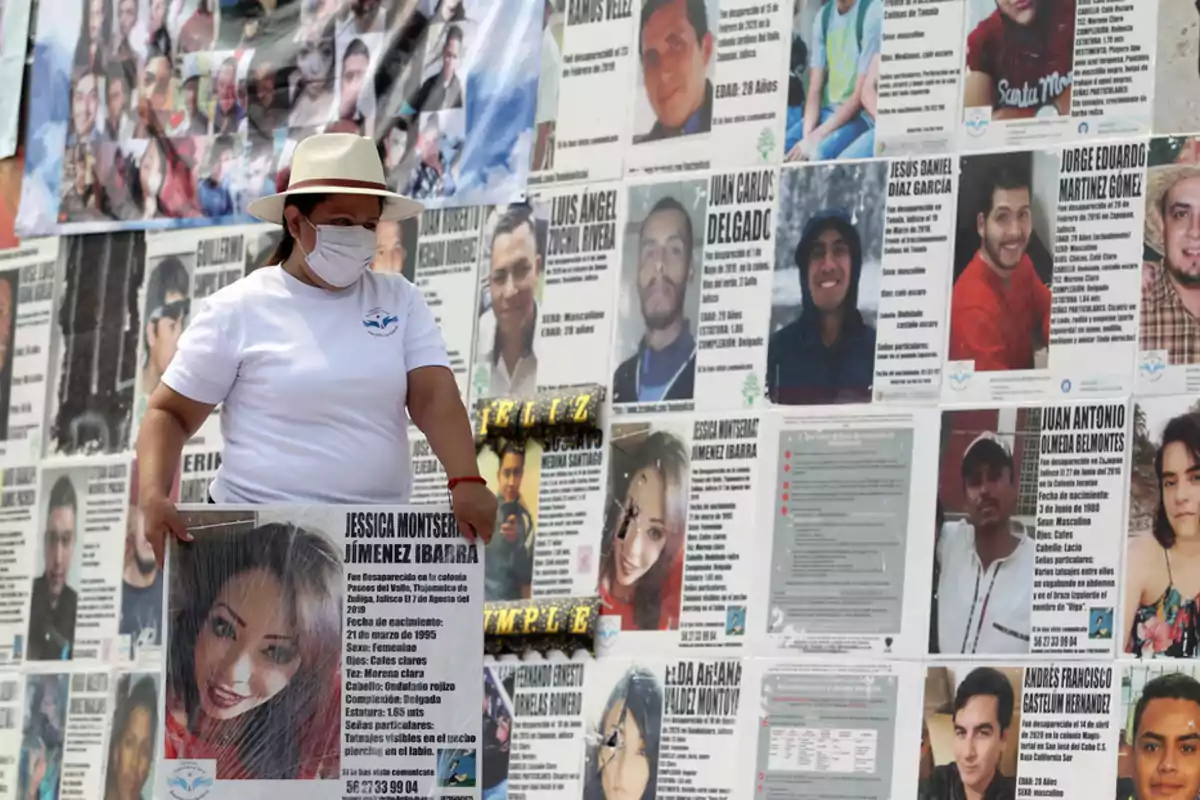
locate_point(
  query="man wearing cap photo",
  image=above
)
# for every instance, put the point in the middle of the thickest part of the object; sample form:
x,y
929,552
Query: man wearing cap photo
x,y
826,355
985,568
999,308
1171,296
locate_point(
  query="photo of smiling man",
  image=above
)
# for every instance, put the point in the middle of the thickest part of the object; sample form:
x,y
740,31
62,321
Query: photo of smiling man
x,y
973,727
1159,753
676,57
659,297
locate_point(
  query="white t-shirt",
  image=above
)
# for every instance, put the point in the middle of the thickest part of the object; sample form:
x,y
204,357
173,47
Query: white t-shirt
x,y
313,385
982,611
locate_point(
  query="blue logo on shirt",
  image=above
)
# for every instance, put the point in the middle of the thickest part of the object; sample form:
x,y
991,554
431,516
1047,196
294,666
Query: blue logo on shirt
x,y
380,323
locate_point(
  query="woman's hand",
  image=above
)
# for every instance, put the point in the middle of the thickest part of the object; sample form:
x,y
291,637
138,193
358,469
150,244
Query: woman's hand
x,y
474,507
160,517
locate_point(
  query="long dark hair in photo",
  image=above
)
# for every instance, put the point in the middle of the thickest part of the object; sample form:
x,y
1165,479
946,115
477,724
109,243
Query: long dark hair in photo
x,y
641,697
144,694
309,572
1184,429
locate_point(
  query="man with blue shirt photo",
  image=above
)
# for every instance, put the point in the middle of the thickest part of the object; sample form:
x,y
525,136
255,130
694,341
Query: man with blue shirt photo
x,y
675,47
664,366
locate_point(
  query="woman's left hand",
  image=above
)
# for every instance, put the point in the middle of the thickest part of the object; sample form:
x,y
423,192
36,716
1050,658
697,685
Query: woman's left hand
x,y
474,507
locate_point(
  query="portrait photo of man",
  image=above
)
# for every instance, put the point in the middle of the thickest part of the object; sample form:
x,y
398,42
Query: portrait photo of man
x,y
396,247
1170,302
168,290
981,718
506,359
509,563
228,112
354,73
85,106
53,603
443,90
661,262
1162,760
984,553
1000,303
675,49
1019,57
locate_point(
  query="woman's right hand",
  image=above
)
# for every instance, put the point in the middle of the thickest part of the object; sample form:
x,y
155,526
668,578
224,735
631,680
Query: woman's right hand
x,y
159,518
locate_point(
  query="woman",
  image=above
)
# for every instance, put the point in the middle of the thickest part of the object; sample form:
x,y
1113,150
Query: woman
x,y
253,677
623,763
642,552
313,100
315,361
1163,572
42,741
131,741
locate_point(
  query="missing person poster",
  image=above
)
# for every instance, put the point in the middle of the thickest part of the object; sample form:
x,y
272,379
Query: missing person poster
x,y
669,729
706,91
178,114
75,597
834,729
19,564
1046,266
1054,71
447,250
94,344
342,644
134,733
1008,731
1028,530
548,729
27,285
43,734
674,574
843,497
1169,334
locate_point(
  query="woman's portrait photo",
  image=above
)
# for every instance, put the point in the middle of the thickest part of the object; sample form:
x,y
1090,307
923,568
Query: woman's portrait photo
x,y
641,555
40,764
130,769
1162,565
254,651
622,757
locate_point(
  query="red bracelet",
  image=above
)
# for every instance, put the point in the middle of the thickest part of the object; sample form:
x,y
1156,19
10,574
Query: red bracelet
x,y
466,479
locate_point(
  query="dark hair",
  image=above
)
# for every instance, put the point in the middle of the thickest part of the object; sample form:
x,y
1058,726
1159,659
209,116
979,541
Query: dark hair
x,y
122,71
989,453
1184,429
513,217
1170,686
511,448
453,34
1001,176
664,453
220,144
168,276
143,695
671,204
309,571
304,203
987,682
356,48
697,16
642,698
62,494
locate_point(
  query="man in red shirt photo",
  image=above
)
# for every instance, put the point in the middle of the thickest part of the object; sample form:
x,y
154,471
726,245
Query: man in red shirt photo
x,y
1019,59
1000,309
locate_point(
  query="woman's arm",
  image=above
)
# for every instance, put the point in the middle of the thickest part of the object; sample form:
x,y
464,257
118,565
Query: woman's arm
x,y
436,408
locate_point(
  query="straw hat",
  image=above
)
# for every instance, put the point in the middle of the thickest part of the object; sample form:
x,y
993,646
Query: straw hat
x,y
336,163
1159,181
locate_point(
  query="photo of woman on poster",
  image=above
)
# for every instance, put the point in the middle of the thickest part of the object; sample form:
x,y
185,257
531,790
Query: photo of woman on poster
x,y
1162,571
134,732
313,100
622,761
40,767
254,652
641,555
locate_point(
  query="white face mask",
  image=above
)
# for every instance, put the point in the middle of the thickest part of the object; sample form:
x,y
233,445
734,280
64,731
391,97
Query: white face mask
x,y
342,253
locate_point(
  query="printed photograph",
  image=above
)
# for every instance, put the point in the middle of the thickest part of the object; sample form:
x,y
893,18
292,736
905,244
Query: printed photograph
x,y
545,117
1159,714
274,589
1003,261
499,686
227,111
1177,69
645,526
40,762
456,768
1019,58
80,192
356,57
1170,302
96,335
985,539
970,733
58,568
676,63
166,304
659,300
825,290
219,174
10,291
833,79
623,709
512,275
129,770
396,247
513,474
141,579
1162,573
